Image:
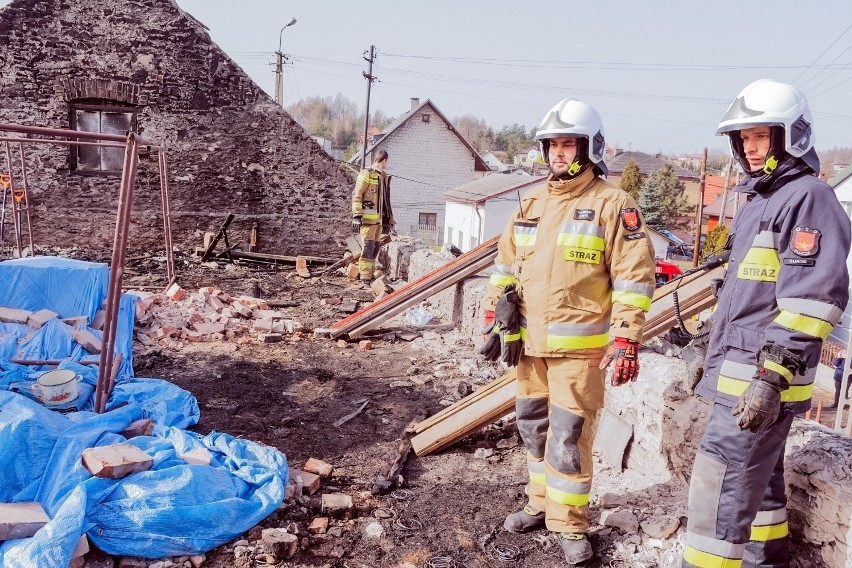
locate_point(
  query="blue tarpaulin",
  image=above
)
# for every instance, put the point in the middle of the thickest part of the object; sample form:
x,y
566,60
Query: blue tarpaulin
x,y
165,511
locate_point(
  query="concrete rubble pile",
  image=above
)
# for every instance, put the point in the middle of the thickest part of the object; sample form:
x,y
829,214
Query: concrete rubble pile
x,y
174,318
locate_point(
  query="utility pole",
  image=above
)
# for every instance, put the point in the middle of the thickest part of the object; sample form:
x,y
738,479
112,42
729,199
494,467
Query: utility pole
x,y
279,67
699,208
722,219
370,78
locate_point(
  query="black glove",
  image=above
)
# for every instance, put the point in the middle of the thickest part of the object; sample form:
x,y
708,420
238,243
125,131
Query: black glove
x,y
356,223
504,335
760,404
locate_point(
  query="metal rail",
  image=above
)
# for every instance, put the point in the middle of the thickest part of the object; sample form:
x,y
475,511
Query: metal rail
x,y
109,362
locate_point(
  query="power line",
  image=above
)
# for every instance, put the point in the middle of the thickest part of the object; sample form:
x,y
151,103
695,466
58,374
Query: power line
x,y
823,53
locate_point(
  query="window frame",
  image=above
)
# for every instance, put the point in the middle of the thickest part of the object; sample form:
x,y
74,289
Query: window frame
x,y
427,216
100,106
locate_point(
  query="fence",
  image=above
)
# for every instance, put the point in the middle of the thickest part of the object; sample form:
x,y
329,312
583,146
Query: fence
x,y
429,234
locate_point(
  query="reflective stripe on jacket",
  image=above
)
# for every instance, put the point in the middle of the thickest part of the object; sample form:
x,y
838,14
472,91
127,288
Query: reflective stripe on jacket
x,y
786,282
583,263
368,196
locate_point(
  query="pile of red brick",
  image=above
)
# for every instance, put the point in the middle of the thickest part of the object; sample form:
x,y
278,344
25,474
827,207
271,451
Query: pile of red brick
x,y
174,318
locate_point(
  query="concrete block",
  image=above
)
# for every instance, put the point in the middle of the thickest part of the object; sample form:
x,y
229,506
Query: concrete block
x,y
352,271
337,503
319,525
302,267
21,520
141,427
215,303
41,317
198,456
116,461
615,434
175,292
12,315
270,338
73,322
318,467
365,344
209,328
98,320
87,340
278,543
310,481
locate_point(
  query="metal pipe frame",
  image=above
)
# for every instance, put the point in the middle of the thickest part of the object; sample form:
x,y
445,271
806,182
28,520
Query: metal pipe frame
x,y
108,362
116,273
15,221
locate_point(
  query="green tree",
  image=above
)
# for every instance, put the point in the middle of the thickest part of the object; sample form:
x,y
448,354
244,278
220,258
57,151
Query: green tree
x,y
715,241
510,139
631,179
651,204
676,211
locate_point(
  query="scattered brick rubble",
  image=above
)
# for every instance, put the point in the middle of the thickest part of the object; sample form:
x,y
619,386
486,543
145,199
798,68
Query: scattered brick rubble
x,y
175,318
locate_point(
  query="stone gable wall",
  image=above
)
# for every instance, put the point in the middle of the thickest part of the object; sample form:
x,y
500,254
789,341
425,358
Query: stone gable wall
x,y
230,148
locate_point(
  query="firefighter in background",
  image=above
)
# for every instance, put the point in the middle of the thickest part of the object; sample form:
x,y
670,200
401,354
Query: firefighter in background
x,y
372,216
786,287
574,275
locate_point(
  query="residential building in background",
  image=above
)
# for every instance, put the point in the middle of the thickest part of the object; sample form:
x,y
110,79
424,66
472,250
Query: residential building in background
x,y
427,157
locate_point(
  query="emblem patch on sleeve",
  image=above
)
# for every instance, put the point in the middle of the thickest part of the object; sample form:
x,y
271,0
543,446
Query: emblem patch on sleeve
x,y
805,241
630,219
584,214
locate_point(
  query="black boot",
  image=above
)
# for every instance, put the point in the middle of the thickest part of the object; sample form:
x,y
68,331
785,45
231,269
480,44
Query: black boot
x,y
836,397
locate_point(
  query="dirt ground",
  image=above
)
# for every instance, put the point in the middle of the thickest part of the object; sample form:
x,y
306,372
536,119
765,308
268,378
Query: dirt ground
x,y
288,395
450,510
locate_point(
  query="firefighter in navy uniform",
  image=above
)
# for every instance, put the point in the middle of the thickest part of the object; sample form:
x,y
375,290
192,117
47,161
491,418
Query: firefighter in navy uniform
x,y
574,277
372,216
786,287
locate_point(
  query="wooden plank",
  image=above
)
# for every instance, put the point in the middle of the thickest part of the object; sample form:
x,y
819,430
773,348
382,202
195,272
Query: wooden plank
x,y
462,424
281,258
465,402
208,254
454,271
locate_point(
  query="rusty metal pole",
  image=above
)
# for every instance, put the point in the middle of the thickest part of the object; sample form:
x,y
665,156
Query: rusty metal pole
x,y
167,219
15,220
26,198
116,272
700,209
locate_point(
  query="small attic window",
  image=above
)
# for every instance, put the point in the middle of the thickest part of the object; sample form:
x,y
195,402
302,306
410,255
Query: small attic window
x,y
426,117
105,116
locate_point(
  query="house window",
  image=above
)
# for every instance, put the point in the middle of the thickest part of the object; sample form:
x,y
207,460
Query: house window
x,y
107,117
430,219
426,117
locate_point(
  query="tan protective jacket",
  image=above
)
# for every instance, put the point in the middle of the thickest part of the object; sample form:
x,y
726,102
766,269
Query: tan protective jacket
x,y
583,264
369,195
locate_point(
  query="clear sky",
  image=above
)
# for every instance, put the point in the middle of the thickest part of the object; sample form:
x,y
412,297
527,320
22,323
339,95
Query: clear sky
x,y
661,73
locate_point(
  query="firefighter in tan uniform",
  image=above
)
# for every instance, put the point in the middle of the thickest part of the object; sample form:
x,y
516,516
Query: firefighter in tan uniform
x,y
785,288
371,213
574,278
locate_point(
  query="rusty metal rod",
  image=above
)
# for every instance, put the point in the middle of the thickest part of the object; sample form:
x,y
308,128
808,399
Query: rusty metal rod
x,y
15,220
113,299
38,130
60,142
167,216
29,362
26,198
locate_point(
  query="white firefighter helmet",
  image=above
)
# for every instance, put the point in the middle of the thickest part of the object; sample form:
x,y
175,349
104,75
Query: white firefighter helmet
x,y
766,102
572,118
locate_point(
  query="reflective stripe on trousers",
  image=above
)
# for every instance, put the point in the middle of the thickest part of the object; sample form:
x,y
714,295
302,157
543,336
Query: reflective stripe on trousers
x,y
737,504
557,405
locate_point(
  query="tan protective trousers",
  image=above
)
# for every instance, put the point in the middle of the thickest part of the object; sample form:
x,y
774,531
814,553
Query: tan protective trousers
x,y
371,243
557,407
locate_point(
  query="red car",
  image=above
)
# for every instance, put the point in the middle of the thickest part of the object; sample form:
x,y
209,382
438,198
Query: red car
x,y
665,271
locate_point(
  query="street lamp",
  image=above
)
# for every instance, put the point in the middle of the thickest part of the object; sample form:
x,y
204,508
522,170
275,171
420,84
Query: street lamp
x,y
279,62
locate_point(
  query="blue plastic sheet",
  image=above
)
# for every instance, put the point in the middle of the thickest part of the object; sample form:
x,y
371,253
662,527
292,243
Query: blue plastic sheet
x,y
165,511
68,287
